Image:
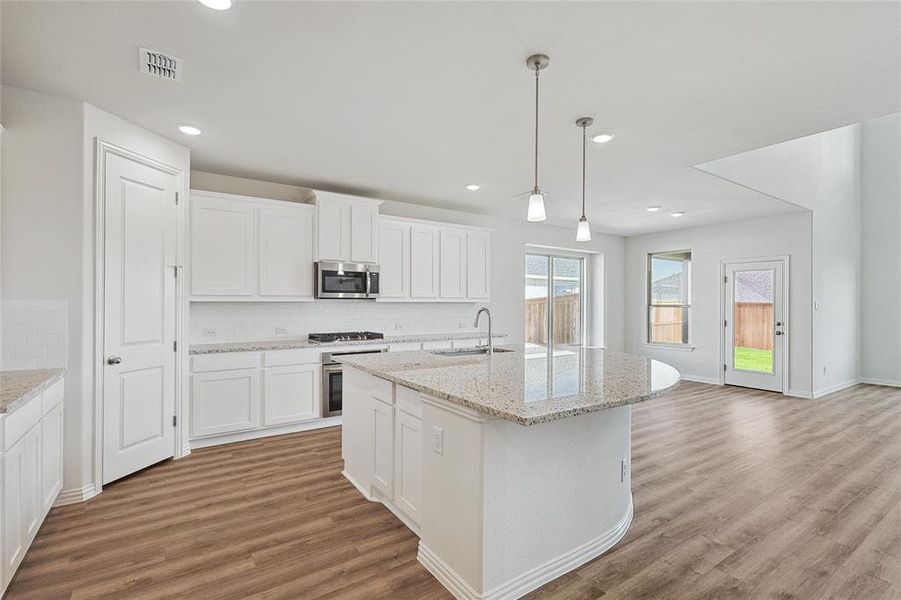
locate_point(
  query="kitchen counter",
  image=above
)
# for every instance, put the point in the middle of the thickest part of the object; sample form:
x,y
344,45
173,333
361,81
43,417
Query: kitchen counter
x,y
526,386
290,344
17,388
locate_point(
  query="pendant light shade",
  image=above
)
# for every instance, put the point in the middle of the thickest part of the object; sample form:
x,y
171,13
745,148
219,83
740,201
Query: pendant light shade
x,y
583,232
536,208
536,213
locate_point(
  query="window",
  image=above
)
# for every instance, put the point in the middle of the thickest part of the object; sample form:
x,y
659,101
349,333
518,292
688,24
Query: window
x,y
554,281
669,297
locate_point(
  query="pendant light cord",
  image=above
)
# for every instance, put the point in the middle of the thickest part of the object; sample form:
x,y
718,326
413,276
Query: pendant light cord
x,y
583,170
535,191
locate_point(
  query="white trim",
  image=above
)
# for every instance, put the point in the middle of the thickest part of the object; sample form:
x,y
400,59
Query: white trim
x,y
255,434
431,223
836,388
677,347
75,496
102,148
357,485
457,409
877,381
534,578
699,379
800,394
377,496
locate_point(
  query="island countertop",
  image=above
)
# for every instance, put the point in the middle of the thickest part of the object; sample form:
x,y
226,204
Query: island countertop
x,y
18,387
528,385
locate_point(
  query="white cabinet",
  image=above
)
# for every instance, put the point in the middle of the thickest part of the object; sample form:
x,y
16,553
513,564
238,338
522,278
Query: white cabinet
x,y
290,394
245,248
222,246
347,228
394,259
452,266
22,512
424,261
51,456
224,402
478,265
383,447
286,251
408,453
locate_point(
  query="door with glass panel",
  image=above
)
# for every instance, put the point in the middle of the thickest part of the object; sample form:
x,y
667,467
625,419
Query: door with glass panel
x,y
754,326
554,300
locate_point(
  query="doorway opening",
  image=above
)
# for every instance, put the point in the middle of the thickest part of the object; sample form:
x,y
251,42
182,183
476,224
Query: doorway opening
x,y
554,300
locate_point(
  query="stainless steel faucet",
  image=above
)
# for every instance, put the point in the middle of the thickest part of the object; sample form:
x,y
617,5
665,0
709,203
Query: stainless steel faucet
x,y
485,310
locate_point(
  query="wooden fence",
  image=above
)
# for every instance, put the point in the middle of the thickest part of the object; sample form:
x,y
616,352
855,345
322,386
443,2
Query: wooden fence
x,y
567,320
753,325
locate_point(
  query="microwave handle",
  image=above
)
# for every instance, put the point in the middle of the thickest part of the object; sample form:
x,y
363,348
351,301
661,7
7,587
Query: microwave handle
x,y
368,282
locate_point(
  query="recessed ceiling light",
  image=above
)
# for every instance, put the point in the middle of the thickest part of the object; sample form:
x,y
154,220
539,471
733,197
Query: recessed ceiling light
x,y
652,208
473,187
602,138
188,130
677,214
217,4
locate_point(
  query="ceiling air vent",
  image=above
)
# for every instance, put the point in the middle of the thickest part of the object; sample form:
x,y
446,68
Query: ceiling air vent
x,y
158,64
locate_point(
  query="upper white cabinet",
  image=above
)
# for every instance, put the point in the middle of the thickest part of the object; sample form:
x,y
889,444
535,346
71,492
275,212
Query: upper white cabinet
x,y
424,261
245,248
347,227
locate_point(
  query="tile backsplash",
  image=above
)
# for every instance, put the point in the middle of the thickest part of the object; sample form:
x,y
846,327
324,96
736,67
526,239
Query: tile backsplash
x,y
33,333
250,321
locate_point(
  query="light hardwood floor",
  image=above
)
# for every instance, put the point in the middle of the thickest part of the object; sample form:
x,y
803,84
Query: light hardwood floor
x,y
738,494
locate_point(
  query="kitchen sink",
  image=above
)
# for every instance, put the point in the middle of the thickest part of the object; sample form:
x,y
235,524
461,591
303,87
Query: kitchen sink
x,y
468,351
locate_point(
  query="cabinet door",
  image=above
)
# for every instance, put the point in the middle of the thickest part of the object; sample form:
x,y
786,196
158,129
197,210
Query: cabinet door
x,y
478,265
394,260
408,464
21,497
224,402
452,267
222,247
383,447
290,394
424,263
51,456
333,217
286,251
364,232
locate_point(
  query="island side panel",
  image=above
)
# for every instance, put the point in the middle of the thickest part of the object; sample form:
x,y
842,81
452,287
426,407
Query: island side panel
x,y
356,431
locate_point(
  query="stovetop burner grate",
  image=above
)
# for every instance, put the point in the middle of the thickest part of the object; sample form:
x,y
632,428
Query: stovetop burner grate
x,y
345,336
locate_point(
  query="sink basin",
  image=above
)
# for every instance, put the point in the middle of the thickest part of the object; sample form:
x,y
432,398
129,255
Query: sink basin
x,y
468,351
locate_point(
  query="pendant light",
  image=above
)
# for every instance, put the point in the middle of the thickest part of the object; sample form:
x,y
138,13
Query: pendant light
x,y
536,212
583,233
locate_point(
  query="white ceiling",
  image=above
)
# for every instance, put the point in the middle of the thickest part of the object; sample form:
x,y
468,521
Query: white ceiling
x,y
411,101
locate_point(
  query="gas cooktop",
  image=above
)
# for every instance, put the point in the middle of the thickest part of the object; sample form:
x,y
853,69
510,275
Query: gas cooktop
x,y
345,336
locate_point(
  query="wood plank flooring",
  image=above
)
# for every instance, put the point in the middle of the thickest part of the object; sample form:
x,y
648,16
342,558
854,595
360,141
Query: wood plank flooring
x,y
738,494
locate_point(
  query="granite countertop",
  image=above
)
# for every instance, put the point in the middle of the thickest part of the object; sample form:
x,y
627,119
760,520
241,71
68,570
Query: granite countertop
x,y
527,386
18,387
290,344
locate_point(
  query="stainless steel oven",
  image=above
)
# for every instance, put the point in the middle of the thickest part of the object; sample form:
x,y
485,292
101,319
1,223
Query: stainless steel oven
x,y
345,280
332,379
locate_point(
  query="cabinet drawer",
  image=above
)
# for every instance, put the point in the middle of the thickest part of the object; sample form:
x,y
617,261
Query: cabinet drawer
x,y
53,395
224,361
18,423
378,388
407,401
296,356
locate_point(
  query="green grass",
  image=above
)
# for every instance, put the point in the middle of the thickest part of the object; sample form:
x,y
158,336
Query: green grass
x,y
752,359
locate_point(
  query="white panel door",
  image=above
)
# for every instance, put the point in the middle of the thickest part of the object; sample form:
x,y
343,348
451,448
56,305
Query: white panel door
x,y
383,447
286,251
478,265
225,402
139,317
51,456
290,394
333,216
394,259
21,497
452,267
222,247
424,263
754,326
364,232
408,465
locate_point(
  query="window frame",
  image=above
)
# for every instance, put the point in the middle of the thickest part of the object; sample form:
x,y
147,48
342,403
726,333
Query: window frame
x,y
583,295
686,345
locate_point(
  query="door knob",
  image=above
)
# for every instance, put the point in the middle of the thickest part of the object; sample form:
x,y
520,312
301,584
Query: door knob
x,y
113,360
778,333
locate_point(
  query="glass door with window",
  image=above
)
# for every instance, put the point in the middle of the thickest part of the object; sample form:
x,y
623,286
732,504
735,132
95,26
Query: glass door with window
x,y
554,300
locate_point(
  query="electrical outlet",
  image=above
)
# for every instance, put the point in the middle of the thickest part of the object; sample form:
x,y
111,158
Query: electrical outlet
x,y
209,332
398,325
437,440
281,330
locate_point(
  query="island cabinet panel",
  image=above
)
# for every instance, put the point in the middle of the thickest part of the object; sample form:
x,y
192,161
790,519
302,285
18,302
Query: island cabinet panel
x,y
383,447
222,246
408,453
286,251
424,261
357,431
452,266
224,402
290,394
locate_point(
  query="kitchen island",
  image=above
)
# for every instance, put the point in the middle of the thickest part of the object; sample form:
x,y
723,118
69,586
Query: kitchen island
x,y
512,468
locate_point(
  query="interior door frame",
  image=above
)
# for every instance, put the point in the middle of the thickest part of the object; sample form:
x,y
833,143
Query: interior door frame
x,y
786,313
103,149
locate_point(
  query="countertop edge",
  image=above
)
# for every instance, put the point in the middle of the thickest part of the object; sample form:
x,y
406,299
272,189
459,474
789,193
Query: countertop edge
x,y
24,398
272,345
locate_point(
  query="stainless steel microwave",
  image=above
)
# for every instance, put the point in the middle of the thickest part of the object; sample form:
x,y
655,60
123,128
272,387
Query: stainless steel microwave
x,y
346,280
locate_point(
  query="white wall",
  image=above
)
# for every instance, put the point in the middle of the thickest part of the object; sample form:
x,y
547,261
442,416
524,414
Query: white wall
x,y
881,250
508,241
820,172
786,235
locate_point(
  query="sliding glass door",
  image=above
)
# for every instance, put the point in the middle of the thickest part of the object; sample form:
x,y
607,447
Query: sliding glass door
x,y
554,300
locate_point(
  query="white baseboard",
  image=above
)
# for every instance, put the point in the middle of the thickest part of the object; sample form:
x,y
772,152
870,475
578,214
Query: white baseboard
x,y
699,379
254,434
75,496
877,381
800,394
534,578
835,388
357,485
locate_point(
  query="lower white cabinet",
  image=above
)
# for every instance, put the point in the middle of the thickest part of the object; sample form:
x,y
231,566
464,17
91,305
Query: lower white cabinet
x,y
51,456
383,447
224,402
290,394
408,453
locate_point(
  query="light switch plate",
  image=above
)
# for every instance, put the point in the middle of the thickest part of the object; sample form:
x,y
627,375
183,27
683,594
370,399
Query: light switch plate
x,y
437,440
208,332
281,330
